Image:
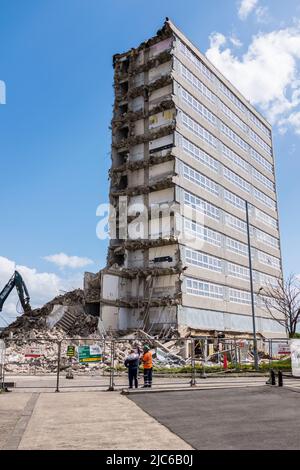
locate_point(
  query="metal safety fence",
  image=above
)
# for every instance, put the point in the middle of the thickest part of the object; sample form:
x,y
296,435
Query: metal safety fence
x,y
98,363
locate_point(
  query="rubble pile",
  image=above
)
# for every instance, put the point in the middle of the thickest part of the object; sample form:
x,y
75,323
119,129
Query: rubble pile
x,y
34,324
32,340
32,331
164,354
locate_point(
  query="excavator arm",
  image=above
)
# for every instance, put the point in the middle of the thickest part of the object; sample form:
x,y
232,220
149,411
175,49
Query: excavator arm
x,y
16,281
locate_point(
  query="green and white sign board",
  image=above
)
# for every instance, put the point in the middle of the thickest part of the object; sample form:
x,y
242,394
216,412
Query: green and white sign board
x,y
89,353
71,351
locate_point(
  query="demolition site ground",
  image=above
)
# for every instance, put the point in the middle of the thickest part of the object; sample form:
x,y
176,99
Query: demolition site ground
x,y
56,401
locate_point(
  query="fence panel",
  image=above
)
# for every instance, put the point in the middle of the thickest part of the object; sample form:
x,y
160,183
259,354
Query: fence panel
x,y
83,363
31,363
174,362
98,363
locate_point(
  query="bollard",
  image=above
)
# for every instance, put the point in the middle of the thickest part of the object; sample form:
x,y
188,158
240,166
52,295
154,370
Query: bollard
x,y
204,344
280,379
58,366
111,387
272,379
193,380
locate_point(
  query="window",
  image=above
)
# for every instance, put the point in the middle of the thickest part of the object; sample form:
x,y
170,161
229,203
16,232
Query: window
x,y
267,239
261,160
225,90
260,142
236,247
233,117
203,233
266,280
236,180
260,125
201,180
234,222
203,260
201,205
262,197
233,157
234,137
199,154
197,62
239,296
236,270
198,107
262,179
268,260
196,83
204,289
265,218
198,130
234,200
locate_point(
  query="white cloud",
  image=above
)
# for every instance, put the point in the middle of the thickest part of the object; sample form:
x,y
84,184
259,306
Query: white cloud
x,y
217,40
235,41
42,286
293,120
268,73
262,14
64,261
246,7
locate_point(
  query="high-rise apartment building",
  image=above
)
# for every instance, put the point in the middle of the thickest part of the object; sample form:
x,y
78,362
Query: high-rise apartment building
x,y
188,150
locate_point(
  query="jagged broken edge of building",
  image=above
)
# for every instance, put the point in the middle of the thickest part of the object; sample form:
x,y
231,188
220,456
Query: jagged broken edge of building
x,y
123,295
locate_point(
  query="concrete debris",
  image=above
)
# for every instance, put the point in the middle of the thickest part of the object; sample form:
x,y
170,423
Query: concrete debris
x,y
43,344
52,314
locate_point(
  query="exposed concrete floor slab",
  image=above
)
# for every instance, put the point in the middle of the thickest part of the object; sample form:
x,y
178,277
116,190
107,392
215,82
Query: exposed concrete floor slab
x,y
83,420
243,418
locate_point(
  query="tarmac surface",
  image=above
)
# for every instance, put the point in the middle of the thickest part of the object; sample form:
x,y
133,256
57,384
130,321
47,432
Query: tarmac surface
x,y
246,418
80,420
219,413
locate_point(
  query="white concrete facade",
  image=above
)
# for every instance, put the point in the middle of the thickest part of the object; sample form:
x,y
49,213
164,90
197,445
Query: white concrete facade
x,y
184,136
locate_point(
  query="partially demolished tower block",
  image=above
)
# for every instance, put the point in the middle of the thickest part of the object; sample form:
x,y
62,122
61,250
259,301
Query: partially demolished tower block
x,y
186,141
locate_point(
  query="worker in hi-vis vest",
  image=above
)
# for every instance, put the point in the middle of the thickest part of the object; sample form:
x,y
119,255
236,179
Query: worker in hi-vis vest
x,y
146,359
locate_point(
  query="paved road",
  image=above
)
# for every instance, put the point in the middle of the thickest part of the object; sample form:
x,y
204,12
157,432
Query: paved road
x,y
232,415
80,420
243,418
11,409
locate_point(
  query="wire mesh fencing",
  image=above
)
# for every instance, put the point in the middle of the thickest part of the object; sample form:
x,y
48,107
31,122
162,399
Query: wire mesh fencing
x,y
99,363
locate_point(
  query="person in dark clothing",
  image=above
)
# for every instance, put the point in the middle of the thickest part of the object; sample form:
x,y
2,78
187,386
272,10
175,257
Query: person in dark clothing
x,y
132,364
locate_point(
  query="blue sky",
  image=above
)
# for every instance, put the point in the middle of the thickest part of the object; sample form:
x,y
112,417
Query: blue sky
x,y
56,62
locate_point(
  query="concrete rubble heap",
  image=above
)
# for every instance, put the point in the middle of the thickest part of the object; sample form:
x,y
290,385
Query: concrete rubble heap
x,y
34,325
34,330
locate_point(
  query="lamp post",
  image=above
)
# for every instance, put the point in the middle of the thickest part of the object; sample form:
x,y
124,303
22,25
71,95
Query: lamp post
x,y
252,290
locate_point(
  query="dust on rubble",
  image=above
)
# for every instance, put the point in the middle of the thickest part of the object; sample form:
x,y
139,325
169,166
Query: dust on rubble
x,y
36,332
34,324
31,330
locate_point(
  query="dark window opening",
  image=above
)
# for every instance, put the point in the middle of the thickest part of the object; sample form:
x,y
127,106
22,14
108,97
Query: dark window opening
x,y
123,133
123,182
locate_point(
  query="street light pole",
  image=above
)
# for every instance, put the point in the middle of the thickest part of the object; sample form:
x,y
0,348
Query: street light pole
x,y
251,289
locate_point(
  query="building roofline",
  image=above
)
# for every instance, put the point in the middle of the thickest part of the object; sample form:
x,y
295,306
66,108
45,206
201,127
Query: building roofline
x,y
163,32
217,72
